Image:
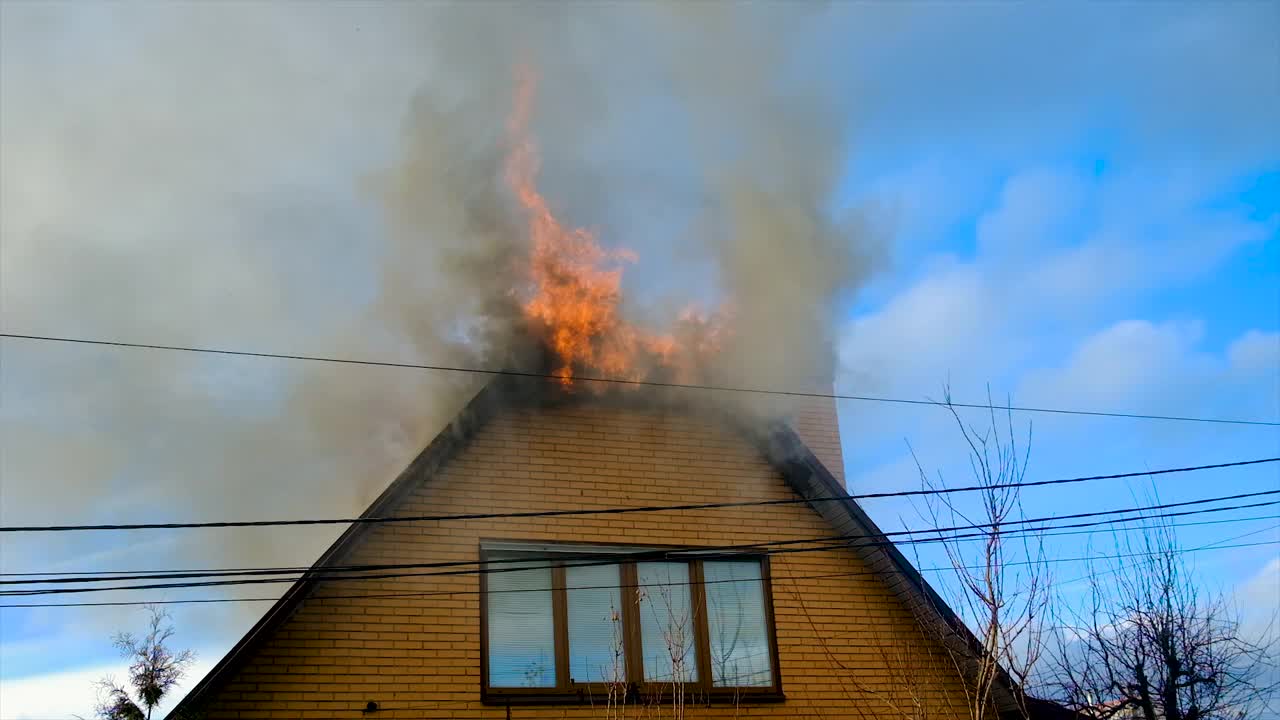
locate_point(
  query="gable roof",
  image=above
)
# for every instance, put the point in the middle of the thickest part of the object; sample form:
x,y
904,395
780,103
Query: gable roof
x,y
803,472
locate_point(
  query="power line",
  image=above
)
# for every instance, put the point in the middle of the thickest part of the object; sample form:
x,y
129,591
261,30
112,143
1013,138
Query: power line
x,y
680,553
618,510
1175,525
623,381
470,591
666,553
1218,545
584,560
410,566
295,569
46,578
1251,533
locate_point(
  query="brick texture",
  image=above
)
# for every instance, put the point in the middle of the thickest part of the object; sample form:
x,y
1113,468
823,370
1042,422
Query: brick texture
x,y
816,422
848,647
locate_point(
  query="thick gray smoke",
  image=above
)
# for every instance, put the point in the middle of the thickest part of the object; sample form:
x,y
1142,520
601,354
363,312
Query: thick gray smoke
x,y
687,133
333,185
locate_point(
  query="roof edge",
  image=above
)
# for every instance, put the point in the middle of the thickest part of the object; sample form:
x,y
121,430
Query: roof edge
x,y
455,436
810,478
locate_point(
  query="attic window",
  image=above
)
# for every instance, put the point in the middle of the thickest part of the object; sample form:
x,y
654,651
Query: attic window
x,y
574,624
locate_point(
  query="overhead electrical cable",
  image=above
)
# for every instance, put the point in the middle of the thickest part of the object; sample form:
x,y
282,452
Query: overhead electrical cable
x,y
88,576
624,381
693,552
618,510
471,591
295,569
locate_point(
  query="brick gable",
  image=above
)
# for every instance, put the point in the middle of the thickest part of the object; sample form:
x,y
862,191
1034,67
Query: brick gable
x,y
848,644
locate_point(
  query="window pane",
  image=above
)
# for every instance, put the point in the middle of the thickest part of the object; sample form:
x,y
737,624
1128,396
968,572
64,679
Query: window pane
x,y
595,624
736,624
522,646
666,623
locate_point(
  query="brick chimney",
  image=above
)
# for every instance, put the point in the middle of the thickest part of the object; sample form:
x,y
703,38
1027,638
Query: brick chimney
x,y
814,418
818,424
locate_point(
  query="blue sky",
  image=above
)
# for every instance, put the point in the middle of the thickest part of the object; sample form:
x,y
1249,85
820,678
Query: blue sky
x,y
1079,206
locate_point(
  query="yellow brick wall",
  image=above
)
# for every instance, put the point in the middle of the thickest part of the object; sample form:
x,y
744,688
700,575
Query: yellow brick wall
x,y
848,647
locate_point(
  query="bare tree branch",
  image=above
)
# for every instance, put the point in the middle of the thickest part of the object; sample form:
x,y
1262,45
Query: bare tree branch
x,y
1149,644
1006,609
154,671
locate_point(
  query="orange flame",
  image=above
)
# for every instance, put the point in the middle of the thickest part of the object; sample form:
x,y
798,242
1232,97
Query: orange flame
x,y
574,291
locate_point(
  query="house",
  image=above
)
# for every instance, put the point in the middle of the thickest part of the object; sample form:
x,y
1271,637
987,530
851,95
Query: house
x,y
796,610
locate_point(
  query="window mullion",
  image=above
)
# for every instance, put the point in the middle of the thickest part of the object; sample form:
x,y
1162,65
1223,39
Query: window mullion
x,y
702,637
560,615
770,621
630,597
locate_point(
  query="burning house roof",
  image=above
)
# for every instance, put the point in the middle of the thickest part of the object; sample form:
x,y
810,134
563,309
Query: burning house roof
x,y
802,470
573,294
570,301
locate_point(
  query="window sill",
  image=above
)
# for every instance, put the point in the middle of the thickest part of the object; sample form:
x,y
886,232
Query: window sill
x,y
754,696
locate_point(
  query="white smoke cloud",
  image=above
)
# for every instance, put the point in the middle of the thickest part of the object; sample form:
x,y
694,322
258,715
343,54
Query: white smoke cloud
x,y
327,180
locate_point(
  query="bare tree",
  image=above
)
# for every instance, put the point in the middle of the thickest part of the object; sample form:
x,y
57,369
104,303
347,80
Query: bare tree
x,y
154,671
1005,607
1148,643
994,659
673,614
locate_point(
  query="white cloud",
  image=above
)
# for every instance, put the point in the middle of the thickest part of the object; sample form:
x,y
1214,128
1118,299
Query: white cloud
x,y
1150,367
948,322
1258,599
1053,322
1034,210
1256,351
1149,246
1185,80
71,693
920,203
1056,255
1121,365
